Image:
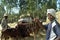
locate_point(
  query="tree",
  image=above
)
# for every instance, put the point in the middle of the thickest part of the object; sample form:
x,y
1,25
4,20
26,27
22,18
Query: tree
x,y
34,7
2,10
9,4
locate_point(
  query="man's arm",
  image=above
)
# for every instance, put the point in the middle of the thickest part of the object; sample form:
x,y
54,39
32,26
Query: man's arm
x,y
57,31
2,23
58,38
43,26
40,24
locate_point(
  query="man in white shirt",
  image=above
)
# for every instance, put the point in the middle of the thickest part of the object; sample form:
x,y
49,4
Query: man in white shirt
x,y
53,28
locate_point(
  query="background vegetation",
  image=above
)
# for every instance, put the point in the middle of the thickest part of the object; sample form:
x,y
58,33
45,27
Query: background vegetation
x,y
36,8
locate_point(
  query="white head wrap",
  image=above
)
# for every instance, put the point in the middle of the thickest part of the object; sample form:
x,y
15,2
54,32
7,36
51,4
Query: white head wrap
x,y
52,12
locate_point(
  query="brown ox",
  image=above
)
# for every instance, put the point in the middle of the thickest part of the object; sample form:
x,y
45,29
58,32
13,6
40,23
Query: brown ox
x,y
21,31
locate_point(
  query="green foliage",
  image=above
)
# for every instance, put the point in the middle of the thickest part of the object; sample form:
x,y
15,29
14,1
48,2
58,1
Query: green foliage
x,y
36,8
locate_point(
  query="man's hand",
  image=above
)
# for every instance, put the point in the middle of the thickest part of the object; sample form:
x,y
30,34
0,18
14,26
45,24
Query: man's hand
x,y
36,20
58,38
39,23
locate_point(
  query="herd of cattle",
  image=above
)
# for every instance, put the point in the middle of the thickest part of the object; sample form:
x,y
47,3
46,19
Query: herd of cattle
x,y
22,30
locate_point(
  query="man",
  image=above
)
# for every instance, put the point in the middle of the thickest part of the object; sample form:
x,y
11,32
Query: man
x,y
53,28
4,22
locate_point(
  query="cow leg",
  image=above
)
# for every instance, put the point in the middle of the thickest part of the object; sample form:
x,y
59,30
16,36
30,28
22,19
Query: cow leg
x,y
6,37
34,36
2,36
17,38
